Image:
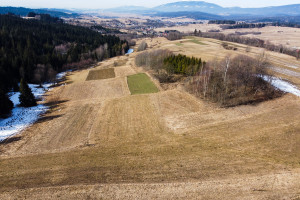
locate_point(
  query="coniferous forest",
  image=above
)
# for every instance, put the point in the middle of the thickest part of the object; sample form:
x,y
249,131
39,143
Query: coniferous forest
x,y
181,64
36,50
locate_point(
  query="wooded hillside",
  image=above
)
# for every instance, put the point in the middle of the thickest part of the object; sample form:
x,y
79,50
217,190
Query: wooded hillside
x,y
35,50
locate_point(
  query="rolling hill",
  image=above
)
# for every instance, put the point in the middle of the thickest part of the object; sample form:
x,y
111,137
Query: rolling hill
x,y
24,11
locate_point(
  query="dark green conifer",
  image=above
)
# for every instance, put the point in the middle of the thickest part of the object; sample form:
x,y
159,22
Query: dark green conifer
x,y
6,105
26,97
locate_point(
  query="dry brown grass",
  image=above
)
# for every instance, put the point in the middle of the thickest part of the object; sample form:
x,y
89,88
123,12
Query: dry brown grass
x,y
258,187
99,142
213,50
124,71
286,36
101,74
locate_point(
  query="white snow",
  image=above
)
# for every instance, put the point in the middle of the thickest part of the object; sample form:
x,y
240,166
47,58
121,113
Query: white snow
x,y
283,85
292,66
23,117
129,51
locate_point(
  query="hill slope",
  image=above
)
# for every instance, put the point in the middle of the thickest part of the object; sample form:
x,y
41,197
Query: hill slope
x,y
24,11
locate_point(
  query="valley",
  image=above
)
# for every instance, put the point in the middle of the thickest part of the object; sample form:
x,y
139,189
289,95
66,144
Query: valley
x,y
183,100
100,141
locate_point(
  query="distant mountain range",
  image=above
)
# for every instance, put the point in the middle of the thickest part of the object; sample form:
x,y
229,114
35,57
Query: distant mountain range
x,y
192,15
201,6
192,9
24,11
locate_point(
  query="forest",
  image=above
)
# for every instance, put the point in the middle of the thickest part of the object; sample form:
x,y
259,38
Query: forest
x,y
36,50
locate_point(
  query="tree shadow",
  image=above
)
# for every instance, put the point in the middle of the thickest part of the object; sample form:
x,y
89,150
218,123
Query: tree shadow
x,y
51,105
54,104
47,118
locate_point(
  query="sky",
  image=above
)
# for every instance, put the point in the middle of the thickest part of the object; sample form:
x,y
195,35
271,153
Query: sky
x,y
102,4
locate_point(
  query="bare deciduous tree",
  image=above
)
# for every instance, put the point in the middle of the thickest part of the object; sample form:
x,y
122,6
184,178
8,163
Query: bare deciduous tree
x,y
143,46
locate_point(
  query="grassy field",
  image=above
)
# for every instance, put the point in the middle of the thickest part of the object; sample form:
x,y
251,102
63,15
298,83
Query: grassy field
x,y
101,74
195,40
141,84
100,142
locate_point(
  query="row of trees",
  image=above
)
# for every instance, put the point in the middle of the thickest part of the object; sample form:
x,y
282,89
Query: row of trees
x,y
222,22
251,42
244,25
36,50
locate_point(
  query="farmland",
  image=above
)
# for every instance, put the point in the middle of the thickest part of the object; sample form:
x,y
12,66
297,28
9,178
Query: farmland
x,y
99,141
101,74
141,84
286,36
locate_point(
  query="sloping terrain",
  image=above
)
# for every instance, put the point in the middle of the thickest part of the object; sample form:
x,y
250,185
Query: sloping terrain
x,y
100,142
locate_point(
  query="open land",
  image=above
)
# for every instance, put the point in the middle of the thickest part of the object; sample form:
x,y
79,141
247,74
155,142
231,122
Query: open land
x,y
98,141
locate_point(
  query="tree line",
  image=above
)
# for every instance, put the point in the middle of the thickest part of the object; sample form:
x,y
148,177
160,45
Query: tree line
x,y
222,22
244,25
251,42
36,50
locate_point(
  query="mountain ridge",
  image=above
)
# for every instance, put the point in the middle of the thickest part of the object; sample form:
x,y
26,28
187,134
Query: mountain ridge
x,y
210,8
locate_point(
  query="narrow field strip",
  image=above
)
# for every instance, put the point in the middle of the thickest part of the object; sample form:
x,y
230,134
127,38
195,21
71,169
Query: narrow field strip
x,y
141,84
101,74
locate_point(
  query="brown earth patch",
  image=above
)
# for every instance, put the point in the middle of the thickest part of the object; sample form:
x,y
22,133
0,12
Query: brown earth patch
x,y
101,74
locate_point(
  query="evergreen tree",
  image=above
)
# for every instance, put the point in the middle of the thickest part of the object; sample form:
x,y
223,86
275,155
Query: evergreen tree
x,y
6,105
26,97
195,32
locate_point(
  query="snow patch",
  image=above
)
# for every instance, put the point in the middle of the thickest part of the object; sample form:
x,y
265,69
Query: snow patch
x,y
283,85
21,117
129,51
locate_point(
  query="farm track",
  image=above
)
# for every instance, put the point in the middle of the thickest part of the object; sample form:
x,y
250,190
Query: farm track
x,y
99,142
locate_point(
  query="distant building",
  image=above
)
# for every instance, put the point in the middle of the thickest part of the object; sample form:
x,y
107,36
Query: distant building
x,y
37,17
